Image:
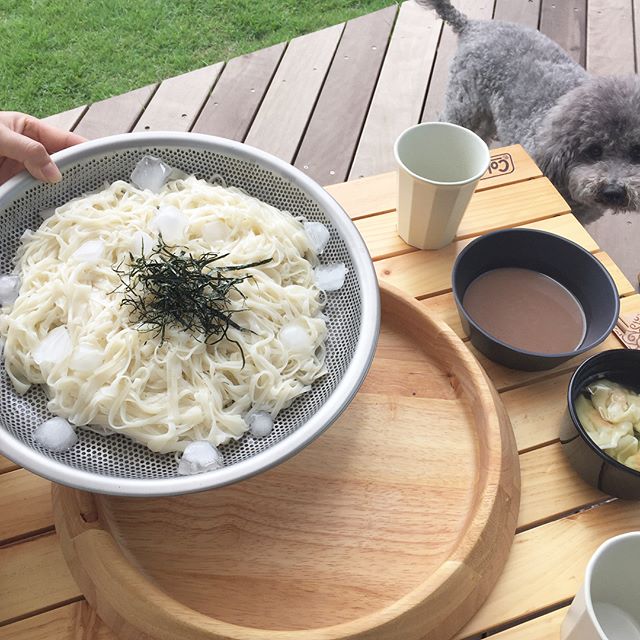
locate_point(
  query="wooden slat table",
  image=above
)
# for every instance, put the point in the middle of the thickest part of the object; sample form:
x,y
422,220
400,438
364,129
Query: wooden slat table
x,y
562,520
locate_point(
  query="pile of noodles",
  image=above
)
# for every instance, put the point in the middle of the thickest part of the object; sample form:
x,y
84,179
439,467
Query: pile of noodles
x,y
68,330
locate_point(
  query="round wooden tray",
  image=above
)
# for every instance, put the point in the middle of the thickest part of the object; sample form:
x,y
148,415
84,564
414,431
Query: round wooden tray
x,y
393,524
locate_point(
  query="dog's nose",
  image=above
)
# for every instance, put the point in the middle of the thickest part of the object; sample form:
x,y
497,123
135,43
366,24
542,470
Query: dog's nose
x,y
613,194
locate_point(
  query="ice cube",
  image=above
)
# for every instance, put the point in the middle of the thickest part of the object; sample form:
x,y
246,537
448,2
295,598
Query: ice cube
x,y
56,434
9,289
260,424
199,457
216,231
295,339
330,277
90,251
141,244
150,173
55,347
86,358
171,223
318,235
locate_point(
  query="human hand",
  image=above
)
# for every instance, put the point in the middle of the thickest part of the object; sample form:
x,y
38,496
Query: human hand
x,y
26,142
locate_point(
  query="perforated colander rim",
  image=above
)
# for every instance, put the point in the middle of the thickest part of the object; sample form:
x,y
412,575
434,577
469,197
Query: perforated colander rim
x,y
337,401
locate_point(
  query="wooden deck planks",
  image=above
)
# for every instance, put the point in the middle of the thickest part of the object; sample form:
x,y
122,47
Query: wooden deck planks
x,y
237,95
66,119
401,89
565,23
636,31
329,143
178,100
477,9
610,41
525,12
115,115
284,113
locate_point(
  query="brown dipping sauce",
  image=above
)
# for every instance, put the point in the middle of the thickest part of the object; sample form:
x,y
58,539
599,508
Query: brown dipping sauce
x,y
526,309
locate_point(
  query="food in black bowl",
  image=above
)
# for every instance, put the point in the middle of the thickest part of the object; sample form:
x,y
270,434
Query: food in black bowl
x,y
531,300
602,440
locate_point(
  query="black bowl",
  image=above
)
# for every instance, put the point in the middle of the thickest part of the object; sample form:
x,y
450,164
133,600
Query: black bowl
x,y
564,261
594,465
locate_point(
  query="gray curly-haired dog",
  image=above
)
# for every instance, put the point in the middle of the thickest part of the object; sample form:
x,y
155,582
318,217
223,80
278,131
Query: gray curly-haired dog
x,y
513,84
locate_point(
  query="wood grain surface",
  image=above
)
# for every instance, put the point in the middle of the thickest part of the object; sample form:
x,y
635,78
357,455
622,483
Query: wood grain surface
x,y
283,559
236,97
565,23
610,41
178,100
283,115
114,115
331,138
525,12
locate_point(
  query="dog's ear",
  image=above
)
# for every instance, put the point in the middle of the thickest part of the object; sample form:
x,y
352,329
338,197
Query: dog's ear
x,y
555,153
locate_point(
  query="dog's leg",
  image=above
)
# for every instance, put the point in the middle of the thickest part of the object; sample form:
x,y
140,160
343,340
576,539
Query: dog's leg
x,y
463,107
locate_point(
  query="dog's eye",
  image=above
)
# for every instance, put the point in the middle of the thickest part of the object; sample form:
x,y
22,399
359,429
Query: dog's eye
x,y
593,152
634,153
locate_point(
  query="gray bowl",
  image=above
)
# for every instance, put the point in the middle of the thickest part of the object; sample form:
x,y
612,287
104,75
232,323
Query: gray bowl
x,y
593,464
117,465
564,261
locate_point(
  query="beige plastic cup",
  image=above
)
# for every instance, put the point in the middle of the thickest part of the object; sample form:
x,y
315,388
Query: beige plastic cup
x,y
439,166
607,607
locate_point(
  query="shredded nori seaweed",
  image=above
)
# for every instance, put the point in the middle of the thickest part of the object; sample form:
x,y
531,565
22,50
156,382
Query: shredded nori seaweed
x,y
172,288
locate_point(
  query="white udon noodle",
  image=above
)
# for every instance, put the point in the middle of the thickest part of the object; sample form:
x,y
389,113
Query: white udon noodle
x,y
167,394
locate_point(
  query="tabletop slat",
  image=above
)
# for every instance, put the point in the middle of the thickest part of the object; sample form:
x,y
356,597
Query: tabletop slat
x,y
525,12
283,115
553,558
550,487
610,45
178,100
6,465
565,23
422,274
33,577
114,115
381,234
538,410
476,9
378,194
25,505
76,621
400,89
234,101
541,628
331,138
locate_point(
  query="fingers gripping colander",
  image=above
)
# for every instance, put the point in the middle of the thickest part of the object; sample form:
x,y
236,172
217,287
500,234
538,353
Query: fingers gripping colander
x,y
115,464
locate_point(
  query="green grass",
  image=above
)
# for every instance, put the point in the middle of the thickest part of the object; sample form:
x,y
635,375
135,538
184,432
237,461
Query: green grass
x,y
58,54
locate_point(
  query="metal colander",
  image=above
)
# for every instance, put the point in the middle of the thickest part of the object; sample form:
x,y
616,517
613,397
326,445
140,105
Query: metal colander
x,y
117,465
